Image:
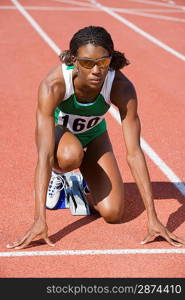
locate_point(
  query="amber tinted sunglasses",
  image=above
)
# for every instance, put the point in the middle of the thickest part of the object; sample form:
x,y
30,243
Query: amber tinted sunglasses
x,y
89,63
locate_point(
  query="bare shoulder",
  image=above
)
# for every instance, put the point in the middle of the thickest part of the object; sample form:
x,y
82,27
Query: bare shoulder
x,y
122,91
52,87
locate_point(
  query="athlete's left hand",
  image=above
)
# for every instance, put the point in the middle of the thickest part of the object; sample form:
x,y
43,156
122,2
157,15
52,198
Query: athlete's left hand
x,y
155,228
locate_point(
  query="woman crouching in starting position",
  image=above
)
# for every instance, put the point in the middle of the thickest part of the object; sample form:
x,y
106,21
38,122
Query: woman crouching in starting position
x,y
71,132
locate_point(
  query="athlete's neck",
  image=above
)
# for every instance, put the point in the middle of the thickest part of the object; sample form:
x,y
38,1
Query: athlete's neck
x,y
84,92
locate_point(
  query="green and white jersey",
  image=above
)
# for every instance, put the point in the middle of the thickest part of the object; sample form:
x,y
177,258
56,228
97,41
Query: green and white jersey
x,y
85,120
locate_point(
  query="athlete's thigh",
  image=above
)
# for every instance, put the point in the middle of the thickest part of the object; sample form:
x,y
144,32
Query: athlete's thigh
x,y
100,169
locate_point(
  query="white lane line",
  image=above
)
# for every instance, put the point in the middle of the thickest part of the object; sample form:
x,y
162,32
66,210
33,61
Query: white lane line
x,y
149,151
139,30
80,9
139,12
163,167
92,252
4,7
61,8
155,158
37,27
74,2
152,10
160,17
158,4
52,8
7,7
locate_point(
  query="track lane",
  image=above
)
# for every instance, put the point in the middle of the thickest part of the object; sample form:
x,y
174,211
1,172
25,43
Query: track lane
x,y
91,227
118,266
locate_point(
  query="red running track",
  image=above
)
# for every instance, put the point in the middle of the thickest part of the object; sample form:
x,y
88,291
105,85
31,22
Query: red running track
x,y
159,79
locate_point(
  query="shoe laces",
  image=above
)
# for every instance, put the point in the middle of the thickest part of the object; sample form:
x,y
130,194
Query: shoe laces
x,y
57,182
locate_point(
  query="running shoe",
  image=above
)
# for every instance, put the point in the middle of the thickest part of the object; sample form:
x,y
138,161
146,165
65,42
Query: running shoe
x,y
82,183
57,195
78,203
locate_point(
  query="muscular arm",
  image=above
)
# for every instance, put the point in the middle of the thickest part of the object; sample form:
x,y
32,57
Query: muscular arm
x,y
135,156
126,101
44,134
51,91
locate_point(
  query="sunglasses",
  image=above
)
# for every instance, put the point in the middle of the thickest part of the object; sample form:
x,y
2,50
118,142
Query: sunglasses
x,y
89,63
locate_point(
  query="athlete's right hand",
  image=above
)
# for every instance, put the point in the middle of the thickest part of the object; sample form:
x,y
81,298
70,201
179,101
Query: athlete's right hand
x,y
39,229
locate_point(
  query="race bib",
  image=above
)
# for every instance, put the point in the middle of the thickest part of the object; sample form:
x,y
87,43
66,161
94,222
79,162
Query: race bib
x,y
78,124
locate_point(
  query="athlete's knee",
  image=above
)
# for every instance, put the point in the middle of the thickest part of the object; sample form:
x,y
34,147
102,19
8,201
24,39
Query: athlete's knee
x,y
70,158
112,214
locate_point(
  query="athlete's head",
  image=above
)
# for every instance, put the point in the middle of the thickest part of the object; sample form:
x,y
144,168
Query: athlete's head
x,y
96,36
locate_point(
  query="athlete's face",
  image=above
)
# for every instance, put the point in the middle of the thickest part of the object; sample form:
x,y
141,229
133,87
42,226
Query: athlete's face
x,y
90,72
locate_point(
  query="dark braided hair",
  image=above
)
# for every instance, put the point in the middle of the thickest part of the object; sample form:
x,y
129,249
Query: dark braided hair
x,y
97,36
